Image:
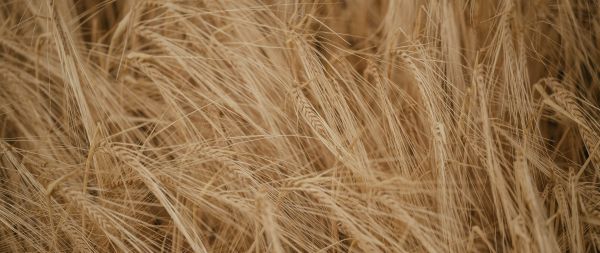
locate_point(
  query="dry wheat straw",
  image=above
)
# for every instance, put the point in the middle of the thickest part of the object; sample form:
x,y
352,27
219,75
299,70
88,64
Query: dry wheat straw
x,y
299,126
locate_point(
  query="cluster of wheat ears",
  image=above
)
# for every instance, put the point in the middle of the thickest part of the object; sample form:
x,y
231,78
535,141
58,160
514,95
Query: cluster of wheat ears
x,y
300,126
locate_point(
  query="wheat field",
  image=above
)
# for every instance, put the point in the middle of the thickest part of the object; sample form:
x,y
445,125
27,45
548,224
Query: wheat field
x,y
300,126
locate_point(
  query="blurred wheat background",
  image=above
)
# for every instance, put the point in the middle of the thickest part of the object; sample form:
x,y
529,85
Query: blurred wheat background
x,y
299,126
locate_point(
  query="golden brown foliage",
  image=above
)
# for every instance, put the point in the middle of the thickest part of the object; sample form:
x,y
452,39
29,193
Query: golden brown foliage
x,y
300,126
